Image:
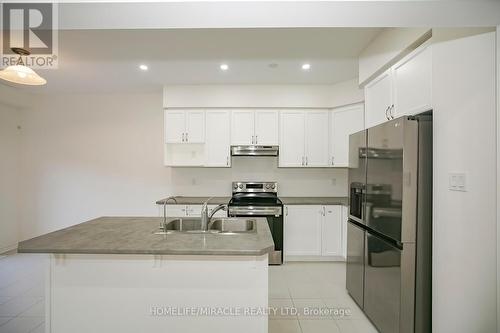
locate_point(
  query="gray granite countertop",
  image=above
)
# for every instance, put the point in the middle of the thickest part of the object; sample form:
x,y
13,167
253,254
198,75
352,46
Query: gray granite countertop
x,y
314,200
181,200
135,235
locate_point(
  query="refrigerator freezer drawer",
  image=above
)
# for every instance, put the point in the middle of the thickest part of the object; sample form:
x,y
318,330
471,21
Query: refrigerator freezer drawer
x,y
355,262
382,296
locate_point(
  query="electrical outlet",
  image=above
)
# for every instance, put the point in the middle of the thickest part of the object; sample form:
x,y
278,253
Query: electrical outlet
x,y
457,182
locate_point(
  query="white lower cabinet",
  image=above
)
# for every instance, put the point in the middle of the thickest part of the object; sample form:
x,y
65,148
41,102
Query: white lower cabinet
x,y
189,211
302,230
314,232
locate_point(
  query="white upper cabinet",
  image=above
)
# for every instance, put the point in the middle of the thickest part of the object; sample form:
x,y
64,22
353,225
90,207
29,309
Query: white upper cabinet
x,y
266,127
316,138
292,138
413,83
304,138
404,89
195,126
217,140
378,99
184,126
344,121
175,126
242,127
249,127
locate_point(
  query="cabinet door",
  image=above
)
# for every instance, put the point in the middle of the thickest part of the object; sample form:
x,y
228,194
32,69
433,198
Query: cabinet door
x,y
266,127
220,213
344,122
302,230
413,83
292,136
195,126
175,126
175,210
331,241
193,210
217,140
242,127
378,99
317,148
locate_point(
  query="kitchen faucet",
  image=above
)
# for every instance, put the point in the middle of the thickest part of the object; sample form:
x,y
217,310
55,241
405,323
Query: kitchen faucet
x,y
164,226
206,217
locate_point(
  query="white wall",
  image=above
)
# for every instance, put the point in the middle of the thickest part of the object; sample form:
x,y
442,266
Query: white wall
x,y
309,96
85,156
9,166
464,246
498,175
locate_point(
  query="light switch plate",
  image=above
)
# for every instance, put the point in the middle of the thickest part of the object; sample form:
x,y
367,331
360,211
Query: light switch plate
x,y
457,182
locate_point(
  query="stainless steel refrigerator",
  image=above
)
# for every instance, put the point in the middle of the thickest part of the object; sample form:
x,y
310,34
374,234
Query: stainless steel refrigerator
x,y
389,233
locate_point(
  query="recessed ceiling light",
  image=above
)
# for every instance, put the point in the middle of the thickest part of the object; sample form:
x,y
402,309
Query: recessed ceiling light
x,y
306,67
224,67
143,67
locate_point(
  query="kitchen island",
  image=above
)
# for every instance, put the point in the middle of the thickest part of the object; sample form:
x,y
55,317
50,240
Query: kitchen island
x,y
114,274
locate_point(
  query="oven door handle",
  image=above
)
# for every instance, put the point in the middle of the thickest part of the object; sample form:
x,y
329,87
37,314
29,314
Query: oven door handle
x,y
255,210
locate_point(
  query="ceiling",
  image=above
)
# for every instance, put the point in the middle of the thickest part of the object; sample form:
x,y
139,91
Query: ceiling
x,y
107,60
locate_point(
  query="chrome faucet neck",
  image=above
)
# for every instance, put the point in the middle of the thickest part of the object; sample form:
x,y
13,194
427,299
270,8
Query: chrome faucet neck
x,y
165,210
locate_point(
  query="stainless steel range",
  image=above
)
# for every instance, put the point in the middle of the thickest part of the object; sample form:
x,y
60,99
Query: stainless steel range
x,y
260,199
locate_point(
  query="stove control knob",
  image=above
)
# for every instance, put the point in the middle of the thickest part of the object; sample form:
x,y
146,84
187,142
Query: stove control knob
x,y
268,186
273,186
235,186
240,186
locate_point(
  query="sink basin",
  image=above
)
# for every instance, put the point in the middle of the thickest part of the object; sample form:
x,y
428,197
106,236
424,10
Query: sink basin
x,y
220,226
233,225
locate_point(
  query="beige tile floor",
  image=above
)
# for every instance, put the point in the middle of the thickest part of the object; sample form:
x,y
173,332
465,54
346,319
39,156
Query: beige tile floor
x,y
310,287
302,286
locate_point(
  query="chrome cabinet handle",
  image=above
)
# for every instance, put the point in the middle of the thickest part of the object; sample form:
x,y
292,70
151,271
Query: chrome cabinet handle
x,y
227,160
302,160
253,140
286,209
333,158
307,162
392,111
324,211
182,137
386,110
256,139
187,139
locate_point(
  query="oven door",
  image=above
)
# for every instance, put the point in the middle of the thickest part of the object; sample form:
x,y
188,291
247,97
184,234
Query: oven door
x,y
274,218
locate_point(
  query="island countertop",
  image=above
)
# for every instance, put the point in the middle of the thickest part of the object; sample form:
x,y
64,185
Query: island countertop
x,y
135,235
185,200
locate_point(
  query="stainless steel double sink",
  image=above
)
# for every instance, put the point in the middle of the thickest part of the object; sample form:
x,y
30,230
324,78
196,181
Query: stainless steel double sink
x,y
219,226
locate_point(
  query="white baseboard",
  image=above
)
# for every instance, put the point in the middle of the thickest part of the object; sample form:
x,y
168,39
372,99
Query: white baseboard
x,y
313,258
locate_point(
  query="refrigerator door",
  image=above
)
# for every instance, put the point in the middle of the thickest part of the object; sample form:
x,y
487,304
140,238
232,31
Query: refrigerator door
x,y
382,293
357,176
392,159
355,262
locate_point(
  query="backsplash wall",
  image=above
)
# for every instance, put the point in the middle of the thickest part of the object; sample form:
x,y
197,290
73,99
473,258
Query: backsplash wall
x,y
291,181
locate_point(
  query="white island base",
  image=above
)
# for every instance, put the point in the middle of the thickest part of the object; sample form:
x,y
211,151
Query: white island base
x,y
106,293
